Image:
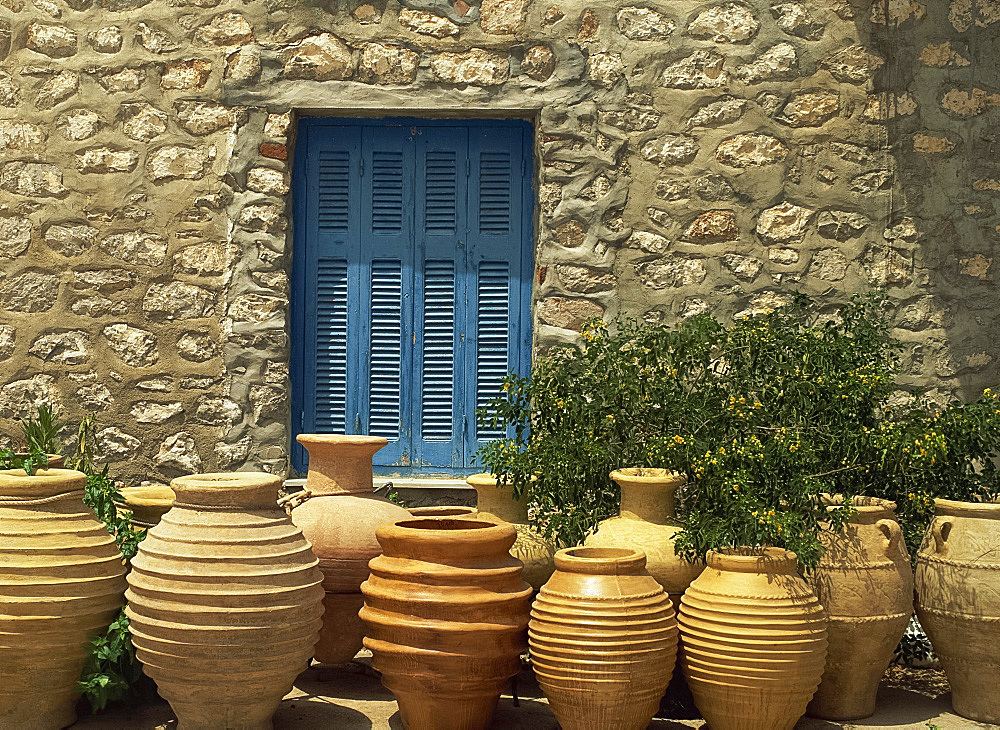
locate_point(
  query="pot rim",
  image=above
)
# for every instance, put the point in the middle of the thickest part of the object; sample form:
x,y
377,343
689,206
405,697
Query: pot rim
x,y
866,506
442,510
43,483
233,489
753,560
147,496
601,560
344,440
957,508
444,529
665,477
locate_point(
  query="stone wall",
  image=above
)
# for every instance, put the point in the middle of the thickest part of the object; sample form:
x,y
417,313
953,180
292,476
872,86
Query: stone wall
x,y
690,156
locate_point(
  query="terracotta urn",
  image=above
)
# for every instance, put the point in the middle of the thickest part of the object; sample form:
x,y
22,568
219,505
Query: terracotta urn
x,y
62,581
52,461
443,511
339,520
224,601
531,548
446,612
865,584
603,638
147,504
958,602
646,522
753,640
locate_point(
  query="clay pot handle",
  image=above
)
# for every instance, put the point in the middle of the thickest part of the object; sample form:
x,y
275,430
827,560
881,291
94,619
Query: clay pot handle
x,y
893,534
940,529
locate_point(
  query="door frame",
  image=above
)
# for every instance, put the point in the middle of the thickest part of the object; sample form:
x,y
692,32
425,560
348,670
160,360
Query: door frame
x,y
298,241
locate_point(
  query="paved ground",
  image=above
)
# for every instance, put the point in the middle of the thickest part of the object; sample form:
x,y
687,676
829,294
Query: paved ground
x,y
352,698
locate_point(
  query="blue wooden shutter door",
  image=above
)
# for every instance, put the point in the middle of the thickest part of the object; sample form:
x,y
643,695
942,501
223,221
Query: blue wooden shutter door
x,y
411,281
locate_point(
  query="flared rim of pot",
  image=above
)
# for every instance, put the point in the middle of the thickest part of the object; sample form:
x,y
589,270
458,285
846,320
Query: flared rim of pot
x,y
148,496
445,531
651,476
601,560
753,560
485,479
243,489
955,508
43,483
442,511
862,503
352,442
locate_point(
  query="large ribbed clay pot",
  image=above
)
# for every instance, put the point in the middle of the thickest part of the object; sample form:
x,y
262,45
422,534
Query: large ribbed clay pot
x,y
225,599
865,583
446,612
62,581
535,551
646,522
753,640
339,520
958,602
603,638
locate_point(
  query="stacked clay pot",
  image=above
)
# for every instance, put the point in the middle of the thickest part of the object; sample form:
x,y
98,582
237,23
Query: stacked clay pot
x,y
62,581
753,640
603,638
646,522
225,601
446,613
496,503
865,583
958,602
339,520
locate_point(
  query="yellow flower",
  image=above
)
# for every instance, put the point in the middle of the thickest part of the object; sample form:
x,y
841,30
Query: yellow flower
x,y
678,439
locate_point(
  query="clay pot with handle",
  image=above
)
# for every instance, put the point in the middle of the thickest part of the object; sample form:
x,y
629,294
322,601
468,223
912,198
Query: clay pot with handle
x,y
865,584
603,638
339,519
62,581
753,640
446,613
958,602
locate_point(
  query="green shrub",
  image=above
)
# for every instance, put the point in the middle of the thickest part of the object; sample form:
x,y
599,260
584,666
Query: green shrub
x,y
763,415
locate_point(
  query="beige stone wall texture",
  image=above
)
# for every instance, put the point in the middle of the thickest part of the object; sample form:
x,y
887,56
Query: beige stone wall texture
x,y
691,156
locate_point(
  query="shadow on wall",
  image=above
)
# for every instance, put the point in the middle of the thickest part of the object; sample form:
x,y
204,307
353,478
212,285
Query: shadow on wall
x,y
937,96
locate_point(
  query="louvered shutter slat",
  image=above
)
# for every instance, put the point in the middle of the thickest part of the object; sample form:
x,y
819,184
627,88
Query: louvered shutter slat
x,y
330,390
437,389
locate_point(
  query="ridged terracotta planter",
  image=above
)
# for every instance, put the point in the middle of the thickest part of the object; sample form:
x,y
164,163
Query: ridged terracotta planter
x,y
62,581
535,551
603,638
446,613
753,640
147,504
865,583
225,601
958,602
646,522
339,520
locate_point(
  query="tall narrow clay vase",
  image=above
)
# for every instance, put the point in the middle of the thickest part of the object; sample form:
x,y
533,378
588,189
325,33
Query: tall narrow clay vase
x,y
603,638
225,600
958,602
62,581
339,520
445,615
865,583
535,551
646,522
753,640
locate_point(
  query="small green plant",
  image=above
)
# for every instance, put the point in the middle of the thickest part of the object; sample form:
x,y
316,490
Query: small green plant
x,y
41,431
112,670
